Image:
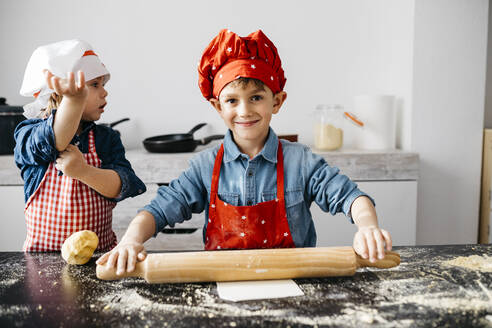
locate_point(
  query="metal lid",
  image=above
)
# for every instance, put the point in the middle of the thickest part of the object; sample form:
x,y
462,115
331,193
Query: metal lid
x,y
11,110
5,109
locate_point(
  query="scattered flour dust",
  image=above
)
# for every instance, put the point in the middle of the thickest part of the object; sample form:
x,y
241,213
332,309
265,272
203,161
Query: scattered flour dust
x,y
6,310
424,295
449,302
8,282
129,301
474,262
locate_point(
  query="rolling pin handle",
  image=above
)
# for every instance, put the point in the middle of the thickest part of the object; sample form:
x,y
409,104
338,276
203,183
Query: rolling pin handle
x,y
391,259
103,273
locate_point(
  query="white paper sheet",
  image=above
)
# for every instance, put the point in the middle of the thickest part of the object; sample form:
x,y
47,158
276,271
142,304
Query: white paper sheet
x,y
258,289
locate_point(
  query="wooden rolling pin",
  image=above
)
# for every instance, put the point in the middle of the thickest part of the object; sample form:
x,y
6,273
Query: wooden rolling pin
x,y
251,264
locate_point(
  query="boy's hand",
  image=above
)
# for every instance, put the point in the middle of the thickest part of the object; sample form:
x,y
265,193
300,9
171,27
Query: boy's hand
x,y
72,162
68,87
123,256
370,242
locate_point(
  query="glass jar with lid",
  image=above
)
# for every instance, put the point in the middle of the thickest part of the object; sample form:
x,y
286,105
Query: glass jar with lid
x,y
328,129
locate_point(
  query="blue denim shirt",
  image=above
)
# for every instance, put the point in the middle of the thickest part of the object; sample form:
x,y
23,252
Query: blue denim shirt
x,y
307,178
35,150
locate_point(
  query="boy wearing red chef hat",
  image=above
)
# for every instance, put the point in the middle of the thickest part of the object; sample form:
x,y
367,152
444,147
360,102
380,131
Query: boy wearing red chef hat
x,y
256,190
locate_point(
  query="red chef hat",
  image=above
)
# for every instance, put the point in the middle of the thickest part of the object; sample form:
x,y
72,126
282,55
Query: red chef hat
x,y
230,56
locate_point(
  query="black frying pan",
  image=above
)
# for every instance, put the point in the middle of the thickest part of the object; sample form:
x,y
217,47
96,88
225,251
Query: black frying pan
x,y
178,142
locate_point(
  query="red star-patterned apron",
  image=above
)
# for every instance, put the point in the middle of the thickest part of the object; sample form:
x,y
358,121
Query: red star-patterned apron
x,y
61,206
263,225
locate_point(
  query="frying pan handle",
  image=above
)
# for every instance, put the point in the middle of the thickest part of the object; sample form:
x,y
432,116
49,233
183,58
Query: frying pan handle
x,y
119,121
196,127
206,140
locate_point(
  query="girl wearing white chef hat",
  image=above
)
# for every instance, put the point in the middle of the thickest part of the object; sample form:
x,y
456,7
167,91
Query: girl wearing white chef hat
x,y
58,58
74,170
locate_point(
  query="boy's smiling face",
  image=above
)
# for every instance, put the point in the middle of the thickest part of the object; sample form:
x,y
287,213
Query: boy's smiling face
x,y
247,110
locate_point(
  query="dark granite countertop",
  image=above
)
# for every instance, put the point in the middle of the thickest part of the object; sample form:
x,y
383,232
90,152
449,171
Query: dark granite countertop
x,y
41,290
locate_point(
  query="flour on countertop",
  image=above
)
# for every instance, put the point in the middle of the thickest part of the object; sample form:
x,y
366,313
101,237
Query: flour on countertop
x,y
473,262
130,301
6,309
426,295
8,282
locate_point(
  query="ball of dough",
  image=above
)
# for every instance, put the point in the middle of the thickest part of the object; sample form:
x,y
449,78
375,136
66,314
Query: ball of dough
x,y
79,247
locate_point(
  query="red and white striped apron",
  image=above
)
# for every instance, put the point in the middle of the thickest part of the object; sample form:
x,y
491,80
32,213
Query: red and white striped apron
x,y
61,206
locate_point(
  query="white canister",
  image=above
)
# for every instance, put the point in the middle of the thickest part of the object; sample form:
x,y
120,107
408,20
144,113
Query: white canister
x,y
378,113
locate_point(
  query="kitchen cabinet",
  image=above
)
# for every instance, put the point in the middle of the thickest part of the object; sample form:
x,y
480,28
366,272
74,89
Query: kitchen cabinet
x,y
13,230
187,235
390,177
395,206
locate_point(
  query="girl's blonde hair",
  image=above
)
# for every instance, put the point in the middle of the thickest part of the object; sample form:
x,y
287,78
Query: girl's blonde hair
x,y
53,103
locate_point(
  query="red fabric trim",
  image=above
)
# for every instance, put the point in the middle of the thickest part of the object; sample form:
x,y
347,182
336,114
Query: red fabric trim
x,y
89,53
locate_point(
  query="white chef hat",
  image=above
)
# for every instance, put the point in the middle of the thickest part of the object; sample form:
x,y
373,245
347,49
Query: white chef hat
x,y
59,58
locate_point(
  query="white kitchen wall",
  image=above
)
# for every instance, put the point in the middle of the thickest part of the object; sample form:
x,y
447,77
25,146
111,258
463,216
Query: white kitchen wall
x,y
488,86
429,53
331,51
448,111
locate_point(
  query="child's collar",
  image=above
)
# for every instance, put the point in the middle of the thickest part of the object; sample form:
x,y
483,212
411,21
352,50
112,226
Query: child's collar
x,y
269,151
87,126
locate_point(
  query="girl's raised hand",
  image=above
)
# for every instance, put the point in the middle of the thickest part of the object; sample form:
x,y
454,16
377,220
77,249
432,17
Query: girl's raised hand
x,y
67,87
